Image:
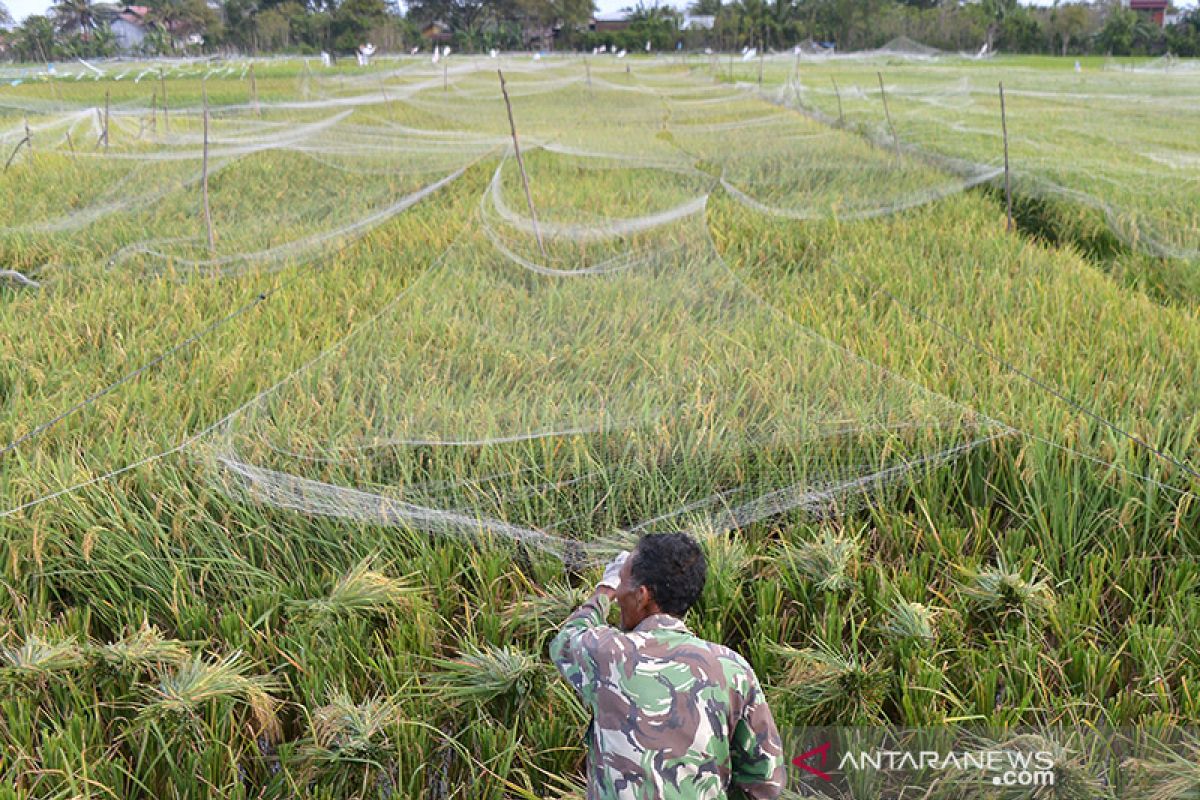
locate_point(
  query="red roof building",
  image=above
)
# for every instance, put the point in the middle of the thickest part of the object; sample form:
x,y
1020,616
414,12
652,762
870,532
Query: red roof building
x,y
1156,10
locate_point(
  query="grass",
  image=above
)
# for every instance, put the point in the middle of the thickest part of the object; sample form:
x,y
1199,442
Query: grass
x,y
163,636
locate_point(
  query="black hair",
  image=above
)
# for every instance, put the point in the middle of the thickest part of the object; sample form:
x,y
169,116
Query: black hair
x,y
672,566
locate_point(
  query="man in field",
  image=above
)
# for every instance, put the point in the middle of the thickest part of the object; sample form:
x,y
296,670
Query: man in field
x,y
674,717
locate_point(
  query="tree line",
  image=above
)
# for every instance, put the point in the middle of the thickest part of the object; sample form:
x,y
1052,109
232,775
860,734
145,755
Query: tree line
x,y
82,28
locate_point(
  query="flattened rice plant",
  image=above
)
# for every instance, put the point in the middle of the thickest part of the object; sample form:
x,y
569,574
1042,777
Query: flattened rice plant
x,y
828,562
184,695
501,679
832,687
349,749
1004,594
361,591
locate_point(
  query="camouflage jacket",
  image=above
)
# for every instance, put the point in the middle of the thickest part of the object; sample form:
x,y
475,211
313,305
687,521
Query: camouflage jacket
x,y
674,717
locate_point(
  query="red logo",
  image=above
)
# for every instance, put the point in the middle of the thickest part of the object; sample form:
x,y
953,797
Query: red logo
x,y
801,761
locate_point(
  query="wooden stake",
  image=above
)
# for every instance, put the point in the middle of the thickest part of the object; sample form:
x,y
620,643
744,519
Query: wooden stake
x,y
254,92
154,113
106,118
26,142
521,165
762,54
204,173
838,94
445,75
587,65
162,79
1007,178
888,114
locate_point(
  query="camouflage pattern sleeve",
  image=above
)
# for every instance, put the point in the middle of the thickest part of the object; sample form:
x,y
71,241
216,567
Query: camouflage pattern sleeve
x,y
756,751
576,646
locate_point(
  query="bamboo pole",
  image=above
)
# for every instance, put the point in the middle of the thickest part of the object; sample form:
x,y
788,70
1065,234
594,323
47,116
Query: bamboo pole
x,y
888,114
204,173
254,92
521,165
26,142
838,95
1007,175
162,80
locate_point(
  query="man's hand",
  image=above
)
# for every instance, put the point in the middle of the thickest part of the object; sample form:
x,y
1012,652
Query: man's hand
x,y
612,575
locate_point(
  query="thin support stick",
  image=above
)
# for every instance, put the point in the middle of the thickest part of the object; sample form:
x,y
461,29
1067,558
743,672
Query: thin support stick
x,y
254,92
106,118
204,174
762,54
1007,176
26,142
888,114
445,75
838,94
162,80
154,113
588,66
521,165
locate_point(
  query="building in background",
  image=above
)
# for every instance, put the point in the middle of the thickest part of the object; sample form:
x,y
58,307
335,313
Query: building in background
x,y
1155,10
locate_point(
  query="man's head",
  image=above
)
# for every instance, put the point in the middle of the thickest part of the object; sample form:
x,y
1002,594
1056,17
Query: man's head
x,y
664,575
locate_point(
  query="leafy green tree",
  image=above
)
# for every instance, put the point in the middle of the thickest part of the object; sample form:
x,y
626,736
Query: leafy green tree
x,y
34,40
1183,38
1069,23
75,17
239,24
6,19
1020,31
657,24
1126,32
354,20
180,19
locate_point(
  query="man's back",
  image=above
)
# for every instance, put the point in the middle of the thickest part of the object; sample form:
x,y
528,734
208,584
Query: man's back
x,y
674,716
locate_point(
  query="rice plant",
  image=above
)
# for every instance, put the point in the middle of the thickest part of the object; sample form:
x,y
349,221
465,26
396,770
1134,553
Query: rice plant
x,y
348,748
38,660
832,687
140,650
362,590
187,692
1006,594
828,562
503,679
373,364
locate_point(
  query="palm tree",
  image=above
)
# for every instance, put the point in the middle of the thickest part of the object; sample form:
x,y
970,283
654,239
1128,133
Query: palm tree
x,y
75,16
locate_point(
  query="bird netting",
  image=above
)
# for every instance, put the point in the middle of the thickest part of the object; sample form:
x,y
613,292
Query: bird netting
x,y
610,376
1138,177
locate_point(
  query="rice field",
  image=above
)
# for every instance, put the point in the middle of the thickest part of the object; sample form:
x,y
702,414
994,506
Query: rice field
x,y
292,509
